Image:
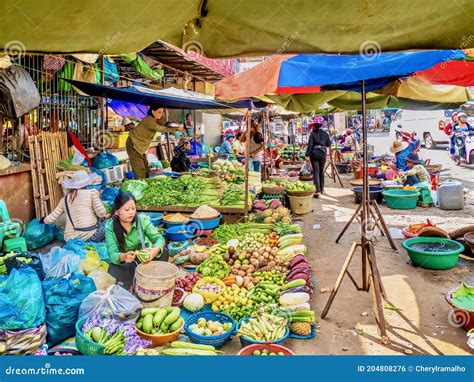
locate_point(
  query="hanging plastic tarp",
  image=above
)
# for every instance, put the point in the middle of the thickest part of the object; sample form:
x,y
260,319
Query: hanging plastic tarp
x,y
142,67
111,73
128,109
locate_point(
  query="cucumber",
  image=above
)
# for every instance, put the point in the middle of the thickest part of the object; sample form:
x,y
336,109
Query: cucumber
x,y
177,324
148,323
140,325
146,311
294,284
159,317
172,316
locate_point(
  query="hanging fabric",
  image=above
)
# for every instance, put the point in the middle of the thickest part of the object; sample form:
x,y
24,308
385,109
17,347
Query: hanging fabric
x,y
66,74
142,67
84,73
51,65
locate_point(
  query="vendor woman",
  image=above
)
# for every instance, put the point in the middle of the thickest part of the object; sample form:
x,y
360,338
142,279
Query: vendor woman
x,y
127,232
416,172
141,137
83,209
401,149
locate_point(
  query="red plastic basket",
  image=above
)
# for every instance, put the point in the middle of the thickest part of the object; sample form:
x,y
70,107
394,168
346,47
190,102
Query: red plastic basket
x,y
248,350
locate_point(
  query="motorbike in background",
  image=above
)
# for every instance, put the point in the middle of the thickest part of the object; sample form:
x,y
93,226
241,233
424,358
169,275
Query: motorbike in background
x,y
463,147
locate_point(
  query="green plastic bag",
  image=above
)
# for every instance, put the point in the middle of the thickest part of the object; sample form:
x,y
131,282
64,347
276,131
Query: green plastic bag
x,y
66,73
21,300
142,67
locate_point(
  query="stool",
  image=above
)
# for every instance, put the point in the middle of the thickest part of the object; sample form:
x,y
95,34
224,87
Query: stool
x,y
16,244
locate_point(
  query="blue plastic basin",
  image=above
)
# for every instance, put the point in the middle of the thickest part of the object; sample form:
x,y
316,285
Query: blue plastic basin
x,y
203,225
181,233
156,218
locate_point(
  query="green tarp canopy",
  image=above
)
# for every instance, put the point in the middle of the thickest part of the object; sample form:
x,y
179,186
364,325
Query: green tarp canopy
x,y
224,28
339,100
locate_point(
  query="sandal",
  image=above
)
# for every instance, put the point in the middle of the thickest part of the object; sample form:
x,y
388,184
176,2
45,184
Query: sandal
x,y
316,195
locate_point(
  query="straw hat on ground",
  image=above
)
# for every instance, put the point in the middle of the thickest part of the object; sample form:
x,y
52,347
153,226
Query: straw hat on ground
x,y
398,146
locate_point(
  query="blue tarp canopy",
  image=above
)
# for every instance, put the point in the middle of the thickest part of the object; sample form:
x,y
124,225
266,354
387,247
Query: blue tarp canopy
x,y
167,98
344,72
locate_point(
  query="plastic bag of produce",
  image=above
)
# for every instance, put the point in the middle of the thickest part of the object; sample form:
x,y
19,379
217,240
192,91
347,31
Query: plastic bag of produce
x,y
102,280
22,342
59,262
92,262
21,300
109,194
104,160
20,260
306,170
114,302
38,235
81,248
62,297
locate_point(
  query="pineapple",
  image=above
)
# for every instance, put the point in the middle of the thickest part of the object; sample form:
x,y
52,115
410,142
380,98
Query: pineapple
x,y
301,328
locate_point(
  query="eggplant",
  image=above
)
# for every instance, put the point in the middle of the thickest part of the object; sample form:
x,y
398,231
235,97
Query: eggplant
x,y
297,270
305,289
304,276
296,260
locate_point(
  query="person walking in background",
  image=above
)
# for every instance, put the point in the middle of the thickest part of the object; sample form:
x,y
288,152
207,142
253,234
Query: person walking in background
x,y
316,152
285,132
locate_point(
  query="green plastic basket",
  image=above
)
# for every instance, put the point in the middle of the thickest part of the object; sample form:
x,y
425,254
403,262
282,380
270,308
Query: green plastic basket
x,y
401,199
84,344
433,260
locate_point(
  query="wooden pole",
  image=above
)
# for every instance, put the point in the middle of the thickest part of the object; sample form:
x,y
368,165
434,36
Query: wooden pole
x,y
365,191
247,149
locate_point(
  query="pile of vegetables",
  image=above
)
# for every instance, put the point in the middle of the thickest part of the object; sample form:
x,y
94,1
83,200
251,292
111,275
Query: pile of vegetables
x,y
234,302
234,195
181,348
214,266
265,352
264,327
272,276
264,293
229,171
283,229
226,232
290,246
158,321
270,211
252,240
187,282
299,186
299,269
118,338
293,152
205,327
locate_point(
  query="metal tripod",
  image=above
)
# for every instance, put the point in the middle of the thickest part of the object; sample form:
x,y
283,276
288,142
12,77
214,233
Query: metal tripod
x,y
370,273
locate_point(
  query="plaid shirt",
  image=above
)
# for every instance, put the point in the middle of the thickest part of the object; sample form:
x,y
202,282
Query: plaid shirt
x,y
419,171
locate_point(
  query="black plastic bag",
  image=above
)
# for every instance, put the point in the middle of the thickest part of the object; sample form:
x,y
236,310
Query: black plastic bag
x,y
18,93
25,260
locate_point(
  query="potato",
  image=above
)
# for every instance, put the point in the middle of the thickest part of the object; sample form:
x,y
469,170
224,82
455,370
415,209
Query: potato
x,y
252,268
261,259
231,250
237,266
239,280
266,255
255,254
235,256
231,262
244,267
235,271
241,273
271,264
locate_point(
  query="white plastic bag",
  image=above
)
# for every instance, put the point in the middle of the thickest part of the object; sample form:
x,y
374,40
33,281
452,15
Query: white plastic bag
x,y
114,302
306,170
59,262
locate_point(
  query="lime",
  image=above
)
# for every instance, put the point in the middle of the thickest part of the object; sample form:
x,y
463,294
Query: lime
x,y
256,352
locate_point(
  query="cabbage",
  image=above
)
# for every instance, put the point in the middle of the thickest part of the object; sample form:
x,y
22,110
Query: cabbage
x,y
193,302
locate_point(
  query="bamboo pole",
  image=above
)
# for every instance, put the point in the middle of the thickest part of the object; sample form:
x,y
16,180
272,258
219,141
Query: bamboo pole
x,y
247,149
34,175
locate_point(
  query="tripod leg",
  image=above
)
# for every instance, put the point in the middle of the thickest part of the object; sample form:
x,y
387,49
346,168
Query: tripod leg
x,y
349,222
384,226
377,222
343,271
375,271
336,172
376,284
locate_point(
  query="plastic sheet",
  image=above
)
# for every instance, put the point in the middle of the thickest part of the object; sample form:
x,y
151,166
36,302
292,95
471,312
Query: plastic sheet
x,y
102,280
114,302
21,300
81,248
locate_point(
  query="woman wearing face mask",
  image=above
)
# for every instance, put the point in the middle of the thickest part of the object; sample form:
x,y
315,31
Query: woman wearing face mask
x,y
127,232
